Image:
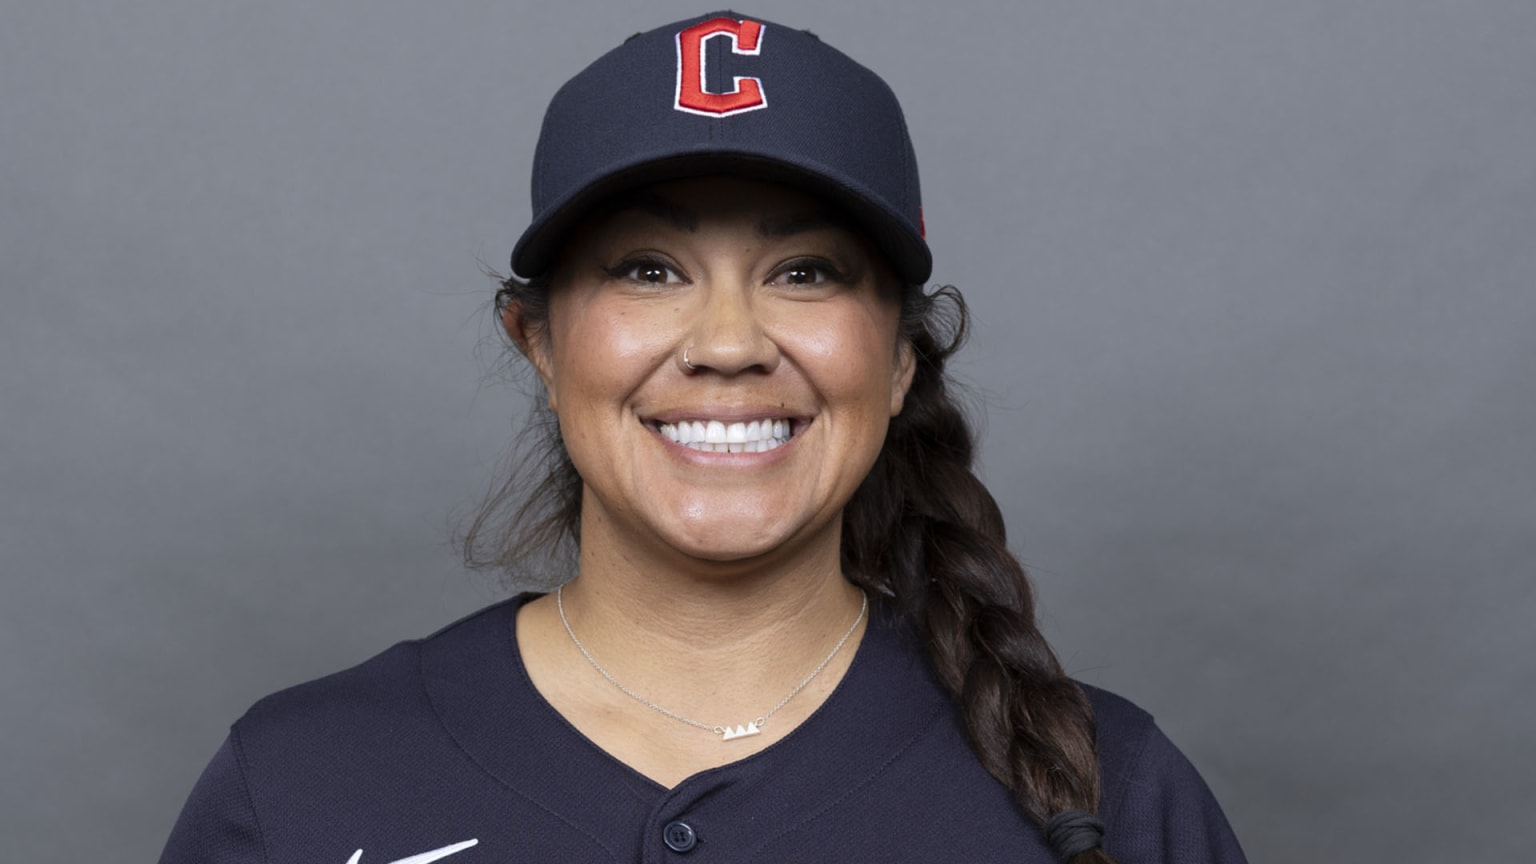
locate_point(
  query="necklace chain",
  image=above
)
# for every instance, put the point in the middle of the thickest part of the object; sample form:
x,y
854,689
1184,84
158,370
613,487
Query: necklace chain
x,y
727,733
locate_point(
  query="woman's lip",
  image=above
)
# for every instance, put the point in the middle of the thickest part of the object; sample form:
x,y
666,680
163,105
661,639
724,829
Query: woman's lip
x,y
723,415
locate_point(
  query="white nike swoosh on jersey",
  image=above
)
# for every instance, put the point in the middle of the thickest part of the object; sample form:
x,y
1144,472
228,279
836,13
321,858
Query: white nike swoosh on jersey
x,y
423,858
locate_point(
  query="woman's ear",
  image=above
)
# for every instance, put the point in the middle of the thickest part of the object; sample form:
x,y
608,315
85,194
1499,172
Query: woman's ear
x,y
901,374
531,339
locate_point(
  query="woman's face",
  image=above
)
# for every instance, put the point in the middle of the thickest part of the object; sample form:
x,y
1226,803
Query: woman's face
x,y
793,369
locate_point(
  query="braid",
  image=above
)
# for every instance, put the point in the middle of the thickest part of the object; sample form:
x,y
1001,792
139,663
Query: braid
x,y
924,530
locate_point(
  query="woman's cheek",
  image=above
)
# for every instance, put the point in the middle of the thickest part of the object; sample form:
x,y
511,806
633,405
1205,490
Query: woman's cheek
x,y
615,331
848,341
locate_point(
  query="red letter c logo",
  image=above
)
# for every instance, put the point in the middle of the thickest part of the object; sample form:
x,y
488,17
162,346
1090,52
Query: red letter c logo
x,y
746,38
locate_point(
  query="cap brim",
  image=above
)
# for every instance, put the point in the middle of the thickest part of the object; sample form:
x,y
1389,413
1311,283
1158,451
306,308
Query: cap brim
x,y
538,249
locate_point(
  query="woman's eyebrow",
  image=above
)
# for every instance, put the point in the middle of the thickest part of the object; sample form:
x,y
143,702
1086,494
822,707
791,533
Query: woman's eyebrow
x,y
784,226
666,210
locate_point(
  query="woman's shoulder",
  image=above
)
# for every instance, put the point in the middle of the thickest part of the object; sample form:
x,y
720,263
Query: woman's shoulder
x,y
351,746
1155,801
1120,714
1122,728
378,691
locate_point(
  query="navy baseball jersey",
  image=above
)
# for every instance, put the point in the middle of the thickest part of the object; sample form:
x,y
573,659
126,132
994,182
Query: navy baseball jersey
x,y
441,750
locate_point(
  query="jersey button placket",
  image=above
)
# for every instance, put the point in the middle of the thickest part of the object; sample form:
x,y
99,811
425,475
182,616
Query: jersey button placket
x,y
679,836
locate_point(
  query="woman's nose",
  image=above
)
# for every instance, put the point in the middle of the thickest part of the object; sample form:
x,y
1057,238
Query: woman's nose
x,y
727,335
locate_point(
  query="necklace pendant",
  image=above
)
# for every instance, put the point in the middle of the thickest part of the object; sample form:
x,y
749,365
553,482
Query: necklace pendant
x,y
727,733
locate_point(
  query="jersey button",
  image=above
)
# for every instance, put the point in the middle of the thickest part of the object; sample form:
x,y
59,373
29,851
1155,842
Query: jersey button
x,y
679,837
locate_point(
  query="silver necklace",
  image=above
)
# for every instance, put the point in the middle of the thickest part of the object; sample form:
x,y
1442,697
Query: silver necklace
x,y
726,733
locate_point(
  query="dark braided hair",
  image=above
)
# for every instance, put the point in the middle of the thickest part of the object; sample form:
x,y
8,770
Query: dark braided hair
x,y
921,530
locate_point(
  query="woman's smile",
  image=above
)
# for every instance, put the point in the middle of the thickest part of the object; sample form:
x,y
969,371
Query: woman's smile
x,y
729,436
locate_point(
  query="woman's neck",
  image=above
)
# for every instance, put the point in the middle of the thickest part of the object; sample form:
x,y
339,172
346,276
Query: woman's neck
x,y
718,624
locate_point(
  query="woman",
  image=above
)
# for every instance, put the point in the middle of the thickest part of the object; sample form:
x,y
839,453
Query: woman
x,y
793,631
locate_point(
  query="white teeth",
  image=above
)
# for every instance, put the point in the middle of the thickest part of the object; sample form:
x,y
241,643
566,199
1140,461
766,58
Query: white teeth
x,y
715,436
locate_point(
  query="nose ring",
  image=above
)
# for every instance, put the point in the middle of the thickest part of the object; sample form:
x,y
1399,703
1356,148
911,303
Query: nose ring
x,y
691,367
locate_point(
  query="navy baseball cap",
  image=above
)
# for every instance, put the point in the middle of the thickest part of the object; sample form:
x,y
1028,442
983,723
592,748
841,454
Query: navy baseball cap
x,y
728,94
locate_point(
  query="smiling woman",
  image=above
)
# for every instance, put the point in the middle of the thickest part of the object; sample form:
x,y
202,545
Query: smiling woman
x,y
793,630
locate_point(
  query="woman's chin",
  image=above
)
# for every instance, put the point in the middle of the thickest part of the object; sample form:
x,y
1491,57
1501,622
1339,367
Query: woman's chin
x,y
726,545
739,541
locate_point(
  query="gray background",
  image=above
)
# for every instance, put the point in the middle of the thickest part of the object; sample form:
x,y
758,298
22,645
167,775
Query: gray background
x,y
1255,315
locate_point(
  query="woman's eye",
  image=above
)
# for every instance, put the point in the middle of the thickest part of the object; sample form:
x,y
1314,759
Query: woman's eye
x,y
807,273
801,275
647,272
